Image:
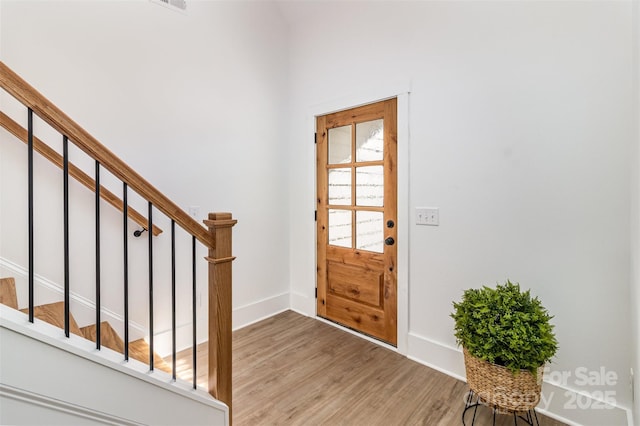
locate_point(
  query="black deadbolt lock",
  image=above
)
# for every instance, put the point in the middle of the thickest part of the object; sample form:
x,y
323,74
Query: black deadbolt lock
x,y
390,224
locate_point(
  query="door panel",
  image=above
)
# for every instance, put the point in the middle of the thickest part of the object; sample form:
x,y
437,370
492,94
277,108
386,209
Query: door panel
x,y
357,216
355,283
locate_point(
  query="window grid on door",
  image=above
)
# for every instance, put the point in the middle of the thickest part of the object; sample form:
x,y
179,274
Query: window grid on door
x,y
356,185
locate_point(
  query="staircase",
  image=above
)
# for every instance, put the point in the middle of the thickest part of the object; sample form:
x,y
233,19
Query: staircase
x,y
215,236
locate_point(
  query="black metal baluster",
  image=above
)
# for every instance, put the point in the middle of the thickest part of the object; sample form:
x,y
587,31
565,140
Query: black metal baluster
x,y
150,235
126,270
98,307
30,213
65,168
193,306
173,297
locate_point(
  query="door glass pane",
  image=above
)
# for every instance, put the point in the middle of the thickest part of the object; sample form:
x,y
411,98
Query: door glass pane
x,y
340,145
369,140
370,186
340,228
369,231
340,187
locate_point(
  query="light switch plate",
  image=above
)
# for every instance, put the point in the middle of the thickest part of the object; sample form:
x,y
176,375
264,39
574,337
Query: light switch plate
x,y
428,216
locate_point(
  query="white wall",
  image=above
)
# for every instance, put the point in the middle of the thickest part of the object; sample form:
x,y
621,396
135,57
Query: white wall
x,y
635,220
521,124
194,102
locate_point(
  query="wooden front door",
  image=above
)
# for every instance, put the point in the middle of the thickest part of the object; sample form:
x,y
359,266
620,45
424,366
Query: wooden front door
x,y
357,219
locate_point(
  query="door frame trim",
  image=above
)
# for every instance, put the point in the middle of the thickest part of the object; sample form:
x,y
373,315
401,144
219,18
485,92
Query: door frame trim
x,y
402,94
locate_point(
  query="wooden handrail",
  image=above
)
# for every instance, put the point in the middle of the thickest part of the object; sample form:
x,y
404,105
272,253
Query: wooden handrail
x,y
50,154
47,111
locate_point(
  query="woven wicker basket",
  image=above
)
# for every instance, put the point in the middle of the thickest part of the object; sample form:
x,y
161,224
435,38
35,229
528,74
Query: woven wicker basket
x,y
498,387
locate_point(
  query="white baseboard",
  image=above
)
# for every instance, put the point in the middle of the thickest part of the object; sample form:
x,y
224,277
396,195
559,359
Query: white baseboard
x,y
241,317
302,304
557,400
562,403
163,340
257,311
440,357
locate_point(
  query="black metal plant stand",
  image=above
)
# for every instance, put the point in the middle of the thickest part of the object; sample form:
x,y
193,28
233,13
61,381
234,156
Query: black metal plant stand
x,y
528,417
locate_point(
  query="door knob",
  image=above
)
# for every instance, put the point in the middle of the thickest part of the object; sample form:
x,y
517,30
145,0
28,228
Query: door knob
x,y
389,241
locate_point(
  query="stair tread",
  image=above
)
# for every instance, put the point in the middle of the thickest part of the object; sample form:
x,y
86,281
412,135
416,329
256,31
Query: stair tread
x,y
53,313
109,338
8,292
139,349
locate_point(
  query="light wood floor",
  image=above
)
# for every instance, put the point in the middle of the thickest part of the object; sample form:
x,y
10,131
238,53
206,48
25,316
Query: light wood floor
x,y
294,370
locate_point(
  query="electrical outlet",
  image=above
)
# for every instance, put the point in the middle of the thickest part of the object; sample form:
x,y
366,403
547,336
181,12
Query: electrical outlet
x,y
428,216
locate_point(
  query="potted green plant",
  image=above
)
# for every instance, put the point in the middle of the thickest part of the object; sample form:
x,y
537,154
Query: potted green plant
x,y
507,337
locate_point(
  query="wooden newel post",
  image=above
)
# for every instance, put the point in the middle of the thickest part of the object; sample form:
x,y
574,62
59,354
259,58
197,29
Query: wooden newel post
x,y
220,260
